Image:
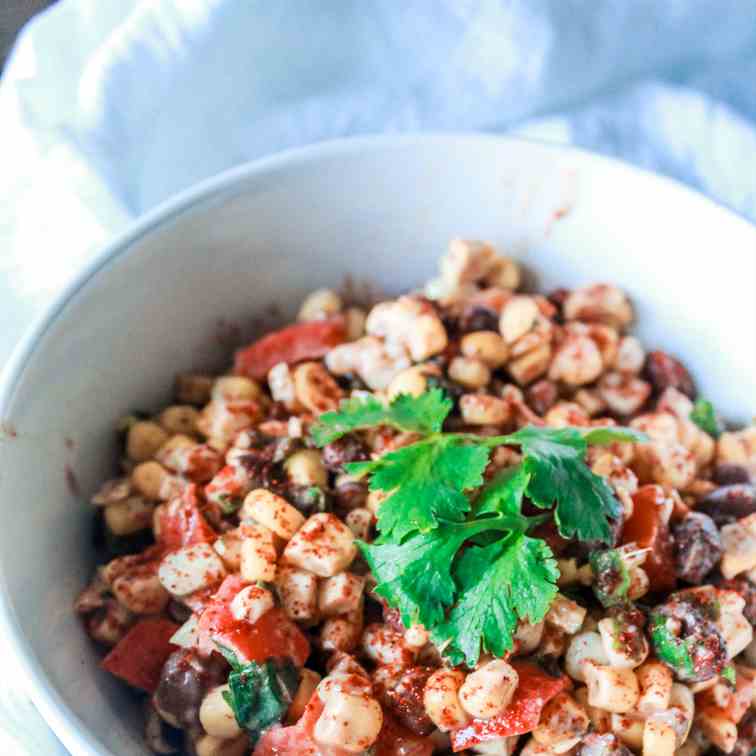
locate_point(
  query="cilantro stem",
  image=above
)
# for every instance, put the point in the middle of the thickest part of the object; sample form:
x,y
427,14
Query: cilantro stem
x,y
499,521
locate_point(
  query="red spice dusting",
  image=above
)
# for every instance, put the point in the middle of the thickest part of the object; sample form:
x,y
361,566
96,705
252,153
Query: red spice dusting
x,y
274,634
182,524
535,689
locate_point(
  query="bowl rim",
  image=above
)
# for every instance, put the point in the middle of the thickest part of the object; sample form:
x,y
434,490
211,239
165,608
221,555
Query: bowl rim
x,y
66,725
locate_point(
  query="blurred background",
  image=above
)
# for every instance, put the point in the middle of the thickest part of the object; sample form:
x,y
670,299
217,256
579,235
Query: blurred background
x,y
108,107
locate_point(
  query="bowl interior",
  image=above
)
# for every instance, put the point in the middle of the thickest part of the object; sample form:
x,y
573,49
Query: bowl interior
x,y
220,263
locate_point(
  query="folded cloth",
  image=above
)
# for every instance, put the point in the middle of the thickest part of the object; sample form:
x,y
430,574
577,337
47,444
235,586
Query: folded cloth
x,y
107,108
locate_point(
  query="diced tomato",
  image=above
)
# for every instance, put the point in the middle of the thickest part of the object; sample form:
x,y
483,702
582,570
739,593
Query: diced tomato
x,y
301,341
534,691
139,656
297,740
273,635
201,463
182,523
199,600
288,741
228,487
647,529
396,740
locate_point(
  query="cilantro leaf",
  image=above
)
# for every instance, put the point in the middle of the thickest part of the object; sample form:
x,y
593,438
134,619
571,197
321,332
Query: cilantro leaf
x,y
554,459
259,694
513,578
611,577
705,417
504,493
420,414
610,434
426,483
415,576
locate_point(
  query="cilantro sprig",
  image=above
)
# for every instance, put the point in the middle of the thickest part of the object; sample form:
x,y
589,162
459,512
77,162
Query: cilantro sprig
x,y
457,555
259,694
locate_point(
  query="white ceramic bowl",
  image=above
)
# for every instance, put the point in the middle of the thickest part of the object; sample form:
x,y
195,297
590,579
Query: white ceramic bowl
x,y
381,210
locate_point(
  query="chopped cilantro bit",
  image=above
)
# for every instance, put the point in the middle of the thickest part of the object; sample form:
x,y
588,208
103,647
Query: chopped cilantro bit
x,y
422,414
728,673
611,578
315,499
672,650
228,503
259,694
705,417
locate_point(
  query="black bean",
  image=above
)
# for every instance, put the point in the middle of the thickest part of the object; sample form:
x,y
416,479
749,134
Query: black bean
x,y
309,500
179,612
664,371
453,390
478,318
184,682
352,382
698,547
694,626
727,474
263,472
584,549
349,496
346,449
542,396
403,697
729,503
